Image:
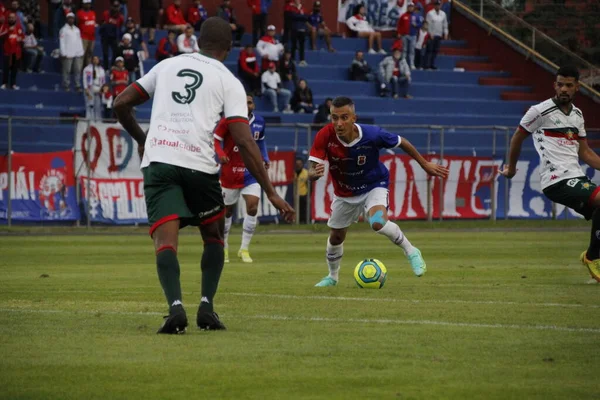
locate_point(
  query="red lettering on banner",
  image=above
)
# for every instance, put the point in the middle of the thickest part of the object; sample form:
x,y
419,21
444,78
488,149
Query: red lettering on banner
x,y
465,194
111,133
95,137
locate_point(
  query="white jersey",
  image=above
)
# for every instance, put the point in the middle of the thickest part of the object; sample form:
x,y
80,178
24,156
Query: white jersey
x,y
190,93
556,137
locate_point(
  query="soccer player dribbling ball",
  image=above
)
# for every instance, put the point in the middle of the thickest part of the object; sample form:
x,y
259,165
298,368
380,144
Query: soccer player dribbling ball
x,y
181,180
559,136
236,179
360,182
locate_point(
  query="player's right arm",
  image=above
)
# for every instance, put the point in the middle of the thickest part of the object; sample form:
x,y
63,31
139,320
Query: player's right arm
x,y
530,122
135,94
318,154
236,110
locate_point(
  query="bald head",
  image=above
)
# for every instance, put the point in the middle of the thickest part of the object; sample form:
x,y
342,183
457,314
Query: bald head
x,y
215,37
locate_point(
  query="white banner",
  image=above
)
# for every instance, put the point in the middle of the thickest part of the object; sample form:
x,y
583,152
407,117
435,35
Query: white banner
x,y
112,151
382,14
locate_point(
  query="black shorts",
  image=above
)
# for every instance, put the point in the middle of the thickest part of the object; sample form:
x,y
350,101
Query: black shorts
x,y
149,18
575,193
173,192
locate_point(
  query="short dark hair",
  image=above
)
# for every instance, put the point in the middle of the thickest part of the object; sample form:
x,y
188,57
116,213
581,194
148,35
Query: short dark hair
x,y
248,94
215,35
568,71
300,159
342,101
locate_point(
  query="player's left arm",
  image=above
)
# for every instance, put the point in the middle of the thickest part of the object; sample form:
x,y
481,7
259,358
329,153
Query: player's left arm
x,y
587,155
431,168
262,145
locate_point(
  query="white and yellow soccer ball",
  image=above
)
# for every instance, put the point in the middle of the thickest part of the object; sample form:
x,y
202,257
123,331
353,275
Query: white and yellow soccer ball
x,y
370,274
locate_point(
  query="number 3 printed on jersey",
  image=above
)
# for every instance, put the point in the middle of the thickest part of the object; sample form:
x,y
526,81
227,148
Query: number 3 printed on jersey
x,y
190,88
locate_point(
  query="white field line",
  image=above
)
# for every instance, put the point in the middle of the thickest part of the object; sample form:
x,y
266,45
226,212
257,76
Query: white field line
x,y
411,301
338,298
334,320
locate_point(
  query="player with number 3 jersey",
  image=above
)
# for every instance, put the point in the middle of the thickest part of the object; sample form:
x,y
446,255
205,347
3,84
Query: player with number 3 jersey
x,y
236,180
360,182
181,181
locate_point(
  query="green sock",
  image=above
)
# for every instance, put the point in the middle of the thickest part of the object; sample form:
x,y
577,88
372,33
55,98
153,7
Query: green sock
x,y
167,267
212,266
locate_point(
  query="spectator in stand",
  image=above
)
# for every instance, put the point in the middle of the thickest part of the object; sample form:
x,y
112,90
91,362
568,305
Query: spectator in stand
x,y
119,77
187,41
31,11
318,28
407,28
226,12
395,72
360,69
11,36
287,22
299,26
271,85
421,45
150,11
302,100
34,53
287,70
323,114
53,6
130,58
71,53
124,12
107,100
110,32
260,10
438,29
197,14
269,48
301,188
3,14
15,7
86,22
360,26
248,70
167,47
137,39
93,80
60,15
174,17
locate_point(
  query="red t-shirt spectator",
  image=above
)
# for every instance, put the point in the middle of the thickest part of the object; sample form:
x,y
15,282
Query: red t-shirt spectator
x,y
117,76
403,26
86,22
117,20
2,14
13,37
248,62
166,49
174,16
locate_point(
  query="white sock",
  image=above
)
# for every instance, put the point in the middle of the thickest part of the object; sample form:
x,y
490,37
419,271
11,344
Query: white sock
x,y
393,232
228,221
248,231
334,258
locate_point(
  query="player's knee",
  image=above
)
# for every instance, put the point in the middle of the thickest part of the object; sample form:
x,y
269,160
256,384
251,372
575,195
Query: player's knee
x,y
252,210
377,221
336,238
228,211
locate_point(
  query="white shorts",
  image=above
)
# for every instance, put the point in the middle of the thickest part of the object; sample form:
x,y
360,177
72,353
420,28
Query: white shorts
x,y
347,210
231,196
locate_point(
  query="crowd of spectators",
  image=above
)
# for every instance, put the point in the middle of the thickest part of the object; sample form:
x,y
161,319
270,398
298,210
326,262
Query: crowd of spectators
x,y
267,66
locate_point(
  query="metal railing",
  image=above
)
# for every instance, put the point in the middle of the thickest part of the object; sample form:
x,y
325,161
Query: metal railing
x,y
443,144
529,40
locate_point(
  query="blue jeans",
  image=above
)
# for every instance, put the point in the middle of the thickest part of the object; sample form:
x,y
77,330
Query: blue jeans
x,y
408,49
33,59
399,85
433,48
280,100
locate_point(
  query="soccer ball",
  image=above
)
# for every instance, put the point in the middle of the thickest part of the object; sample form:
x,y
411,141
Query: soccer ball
x,y
370,274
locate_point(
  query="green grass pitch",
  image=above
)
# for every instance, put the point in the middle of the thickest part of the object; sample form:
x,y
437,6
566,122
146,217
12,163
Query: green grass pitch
x,y
501,314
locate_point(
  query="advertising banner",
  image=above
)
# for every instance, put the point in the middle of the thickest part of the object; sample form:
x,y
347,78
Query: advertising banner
x,y
43,187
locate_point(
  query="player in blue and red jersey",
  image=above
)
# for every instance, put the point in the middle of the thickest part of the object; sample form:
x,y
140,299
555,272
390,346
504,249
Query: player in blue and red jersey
x,y
360,181
236,180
